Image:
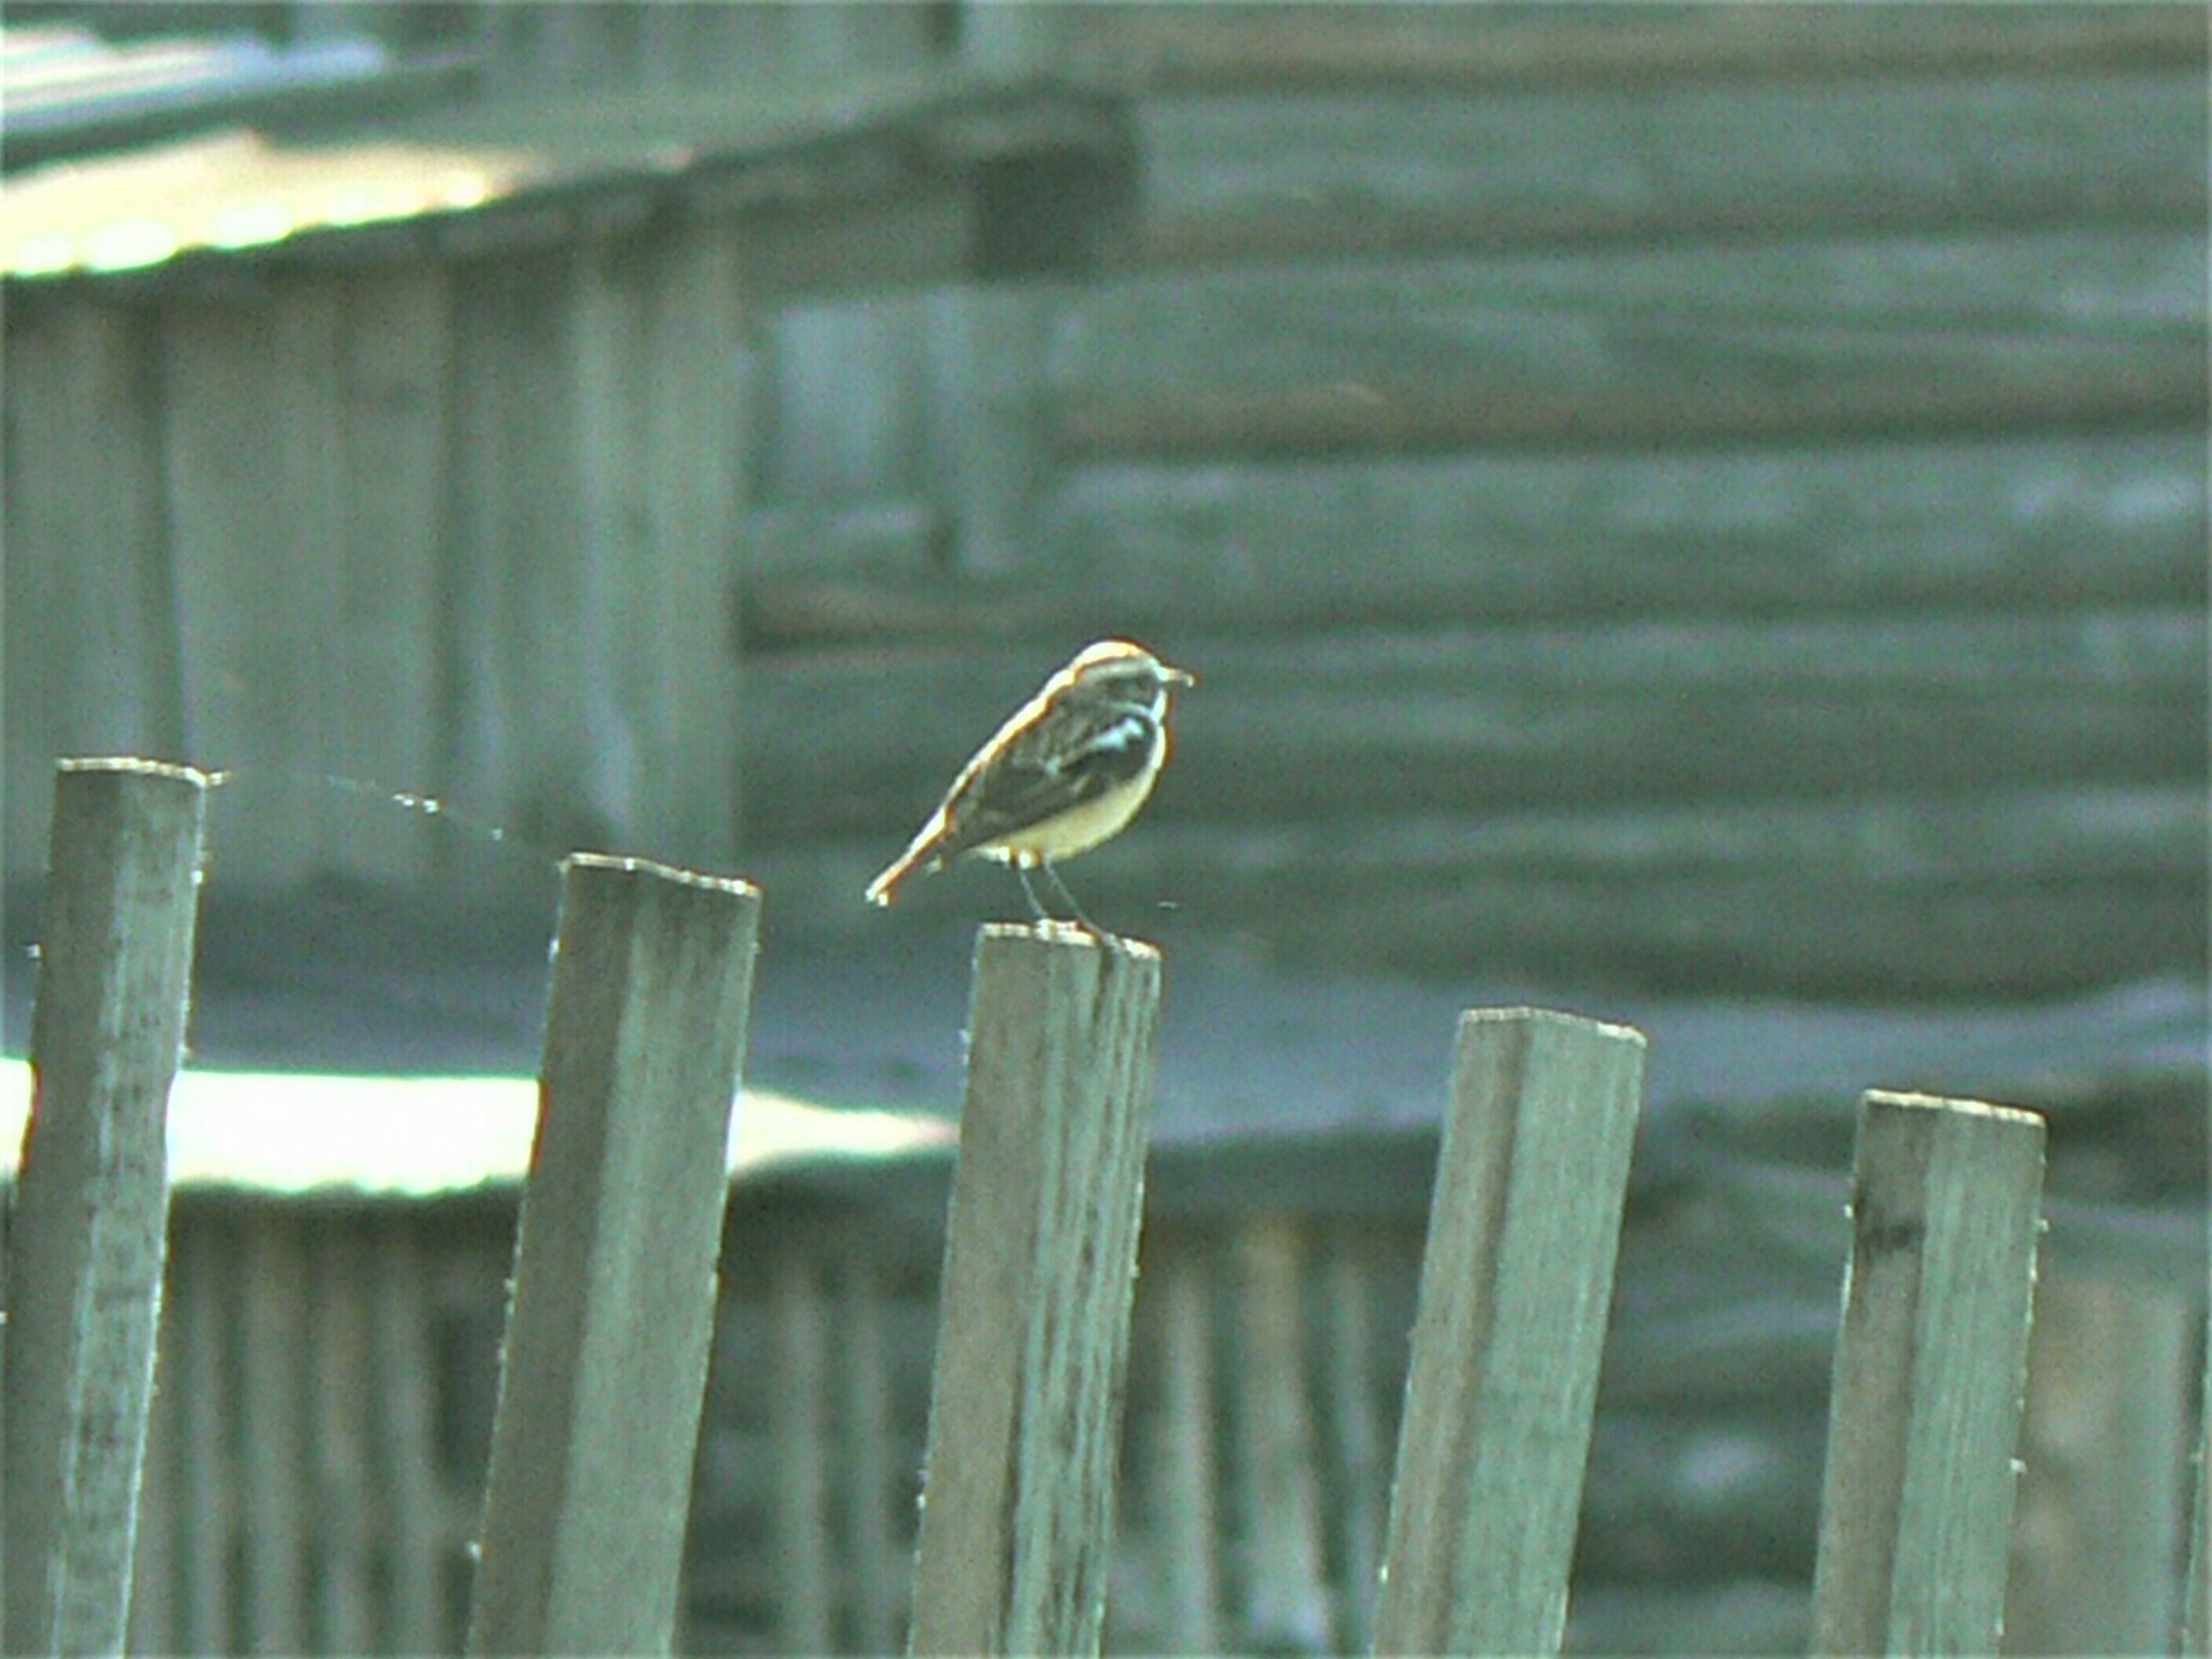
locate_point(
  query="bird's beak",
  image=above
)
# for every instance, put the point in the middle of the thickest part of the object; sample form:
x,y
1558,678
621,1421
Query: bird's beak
x,y
1177,675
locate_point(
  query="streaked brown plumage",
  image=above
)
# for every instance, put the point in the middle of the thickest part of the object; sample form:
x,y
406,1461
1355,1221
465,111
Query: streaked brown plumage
x,y
1067,770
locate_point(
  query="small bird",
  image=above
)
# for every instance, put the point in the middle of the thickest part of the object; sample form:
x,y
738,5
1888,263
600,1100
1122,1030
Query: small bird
x,y
1067,770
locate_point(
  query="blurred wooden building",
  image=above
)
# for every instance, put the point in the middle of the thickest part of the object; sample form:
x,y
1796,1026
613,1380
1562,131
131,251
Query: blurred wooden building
x,y
410,443
1682,496
328,1372
1673,495
1704,501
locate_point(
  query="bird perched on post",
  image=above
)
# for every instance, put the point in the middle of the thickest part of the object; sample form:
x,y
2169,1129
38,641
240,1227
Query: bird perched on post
x,y
1067,770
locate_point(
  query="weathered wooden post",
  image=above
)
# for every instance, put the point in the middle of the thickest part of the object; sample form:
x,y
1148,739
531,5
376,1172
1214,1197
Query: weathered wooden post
x,y
1017,1523
2101,1517
1516,1282
1923,1416
612,1315
89,1234
2196,1591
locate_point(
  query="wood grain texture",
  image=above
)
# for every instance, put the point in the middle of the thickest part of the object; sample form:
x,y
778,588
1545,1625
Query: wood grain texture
x,y
341,1385
1924,1411
87,610
198,1326
800,1438
1360,1478
530,724
252,421
388,548
1813,338
1307,45
608,1335
401,1444
88,1238
1343,725
2197,1592
677,670
2085,389
1516,1283
1287,1605
1184,1460
1241,177
1017,1515
1237,550
876,1482
2009,891
2102,1513
277,1501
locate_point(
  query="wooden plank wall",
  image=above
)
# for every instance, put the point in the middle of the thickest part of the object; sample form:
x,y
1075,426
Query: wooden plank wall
x,y
328,1373
461,530
1689,495
323,1409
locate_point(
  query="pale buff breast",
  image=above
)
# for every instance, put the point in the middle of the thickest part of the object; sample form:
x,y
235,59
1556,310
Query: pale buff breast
x,y
1079,830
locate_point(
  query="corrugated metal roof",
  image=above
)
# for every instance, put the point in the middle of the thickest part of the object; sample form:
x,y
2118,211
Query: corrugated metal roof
x,y
229,191
238,190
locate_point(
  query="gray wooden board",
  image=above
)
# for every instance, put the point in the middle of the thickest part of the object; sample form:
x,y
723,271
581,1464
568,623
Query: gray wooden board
x,y
1040,1263
677,44
87,1234
609,1331
1963,390
527,630
1917,1503
387,542
2101,1517
1507,48
252,413
2036,892
843,385
1539,163
1231,545
676,674
1841,336
1699,317
1517,1290
1749,1615
2028,522
276,1498
91,652
2197,1594
1359,722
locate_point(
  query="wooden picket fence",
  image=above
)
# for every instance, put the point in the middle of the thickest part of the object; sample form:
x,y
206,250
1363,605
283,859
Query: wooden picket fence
x,y
610,1319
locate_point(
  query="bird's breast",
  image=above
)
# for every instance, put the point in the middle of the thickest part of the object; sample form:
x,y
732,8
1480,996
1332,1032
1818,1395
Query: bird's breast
x,y
1081,828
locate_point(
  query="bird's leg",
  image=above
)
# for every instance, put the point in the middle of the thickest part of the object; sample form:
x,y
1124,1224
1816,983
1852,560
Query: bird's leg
x,y
1037,912
1061,887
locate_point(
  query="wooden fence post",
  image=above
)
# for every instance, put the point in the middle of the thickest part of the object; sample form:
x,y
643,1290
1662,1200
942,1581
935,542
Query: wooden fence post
x,y
1024,1422
1923,1416
1286,1592
609,1329
2101,1517
89,1234
1516,1281
2197,1592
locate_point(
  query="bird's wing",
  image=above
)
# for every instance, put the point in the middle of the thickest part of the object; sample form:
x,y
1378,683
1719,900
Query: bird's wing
x,y
1062,759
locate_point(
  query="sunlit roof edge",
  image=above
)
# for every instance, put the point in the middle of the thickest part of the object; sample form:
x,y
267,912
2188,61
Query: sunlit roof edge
x,y
289,1133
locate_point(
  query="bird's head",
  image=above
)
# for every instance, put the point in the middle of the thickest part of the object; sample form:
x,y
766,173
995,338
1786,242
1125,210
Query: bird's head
x,y
1124,672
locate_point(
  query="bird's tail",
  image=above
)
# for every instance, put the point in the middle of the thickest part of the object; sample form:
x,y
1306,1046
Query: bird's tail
x,y
924,855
